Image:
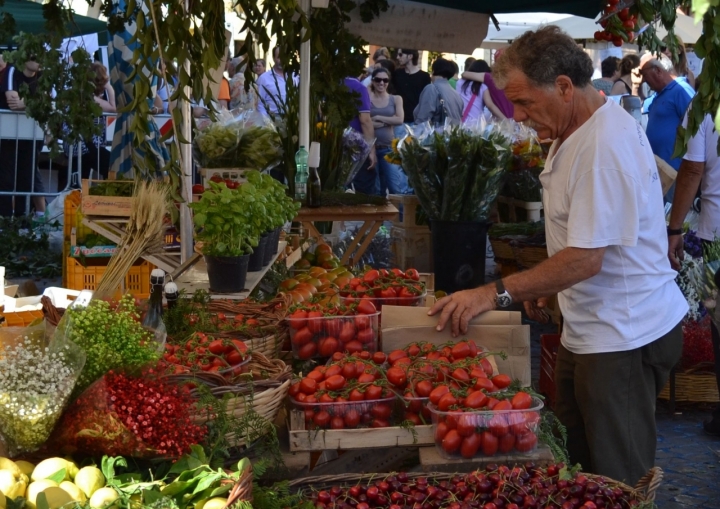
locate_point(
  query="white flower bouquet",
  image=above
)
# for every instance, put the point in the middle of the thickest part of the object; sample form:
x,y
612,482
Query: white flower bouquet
x,y
36,379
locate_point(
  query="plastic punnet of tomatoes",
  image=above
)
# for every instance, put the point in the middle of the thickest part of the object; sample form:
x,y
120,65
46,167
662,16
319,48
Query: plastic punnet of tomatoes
x,y
503,429
373,413
385,287
316,334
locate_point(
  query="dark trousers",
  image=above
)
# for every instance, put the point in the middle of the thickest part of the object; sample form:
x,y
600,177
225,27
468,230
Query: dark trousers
x,y
367,181
22,155
607,403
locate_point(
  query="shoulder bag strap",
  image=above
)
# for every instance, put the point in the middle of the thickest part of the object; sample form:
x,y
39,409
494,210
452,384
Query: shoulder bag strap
x,y
468,107
443,110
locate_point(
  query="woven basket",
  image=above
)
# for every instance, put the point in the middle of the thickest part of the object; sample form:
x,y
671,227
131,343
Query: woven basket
x,y
242,490
644,491
695,385
502,249
529,255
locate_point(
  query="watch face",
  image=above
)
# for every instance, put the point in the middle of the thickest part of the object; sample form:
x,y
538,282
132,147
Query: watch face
x,y
504,300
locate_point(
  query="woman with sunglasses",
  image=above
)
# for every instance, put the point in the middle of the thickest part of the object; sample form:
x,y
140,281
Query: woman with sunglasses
x,y
386,111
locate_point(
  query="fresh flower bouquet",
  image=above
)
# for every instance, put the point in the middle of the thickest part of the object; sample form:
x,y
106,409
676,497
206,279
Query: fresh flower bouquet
x,y
36,379
355,151
458,175
144,416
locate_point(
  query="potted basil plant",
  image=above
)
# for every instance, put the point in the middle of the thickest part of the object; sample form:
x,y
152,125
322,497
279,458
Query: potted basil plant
x,y
224,223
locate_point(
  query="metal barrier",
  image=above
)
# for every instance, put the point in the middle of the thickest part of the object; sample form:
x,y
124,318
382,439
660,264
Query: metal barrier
x,y
28,174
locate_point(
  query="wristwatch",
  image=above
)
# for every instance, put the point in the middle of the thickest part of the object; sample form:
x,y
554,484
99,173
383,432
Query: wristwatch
x,y
502,299
674,231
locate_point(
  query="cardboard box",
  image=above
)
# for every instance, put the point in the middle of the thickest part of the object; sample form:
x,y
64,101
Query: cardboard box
x,y
495,330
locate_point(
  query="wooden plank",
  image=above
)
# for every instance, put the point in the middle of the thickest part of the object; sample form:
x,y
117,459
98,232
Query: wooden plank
x,y
364,229
317,440
431,461
357,255
115,206
349,213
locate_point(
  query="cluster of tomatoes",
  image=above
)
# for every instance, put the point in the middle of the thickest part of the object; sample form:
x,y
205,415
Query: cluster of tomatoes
x,y
200,189
494,487
351,391
223,322
619,25
322,330
202,352
392,287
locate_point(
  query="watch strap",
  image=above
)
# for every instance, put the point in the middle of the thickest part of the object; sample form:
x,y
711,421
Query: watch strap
x,y
499,286
674,231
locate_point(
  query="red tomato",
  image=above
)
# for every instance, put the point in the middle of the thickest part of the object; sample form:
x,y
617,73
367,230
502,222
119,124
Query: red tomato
x,y
423,388
335,382
446,402
317,374
413,350
437,393
516,421
397,376
501,381
294,389
347,332
349,371
373,392
487,367
352,418
328,346
366,336
308,386
307,351
526,442
389,295
381,411
477,399
379,358
354,346
356,395
498,425
440,431
370,276
395,355
461,350
503,405
198,189
321,419
302,337
466,425
366,307
326,398
217,347
379,423
366,378
315,321
451,442
470,445
337,422
460,375
333,327
297,320
233,358
506,443
521,401
489,443
412,274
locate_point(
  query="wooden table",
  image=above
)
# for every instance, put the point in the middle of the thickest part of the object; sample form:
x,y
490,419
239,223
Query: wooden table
x,y
372,217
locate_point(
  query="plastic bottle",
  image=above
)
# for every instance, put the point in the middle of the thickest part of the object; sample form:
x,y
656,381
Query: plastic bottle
x,y
301,174
155,304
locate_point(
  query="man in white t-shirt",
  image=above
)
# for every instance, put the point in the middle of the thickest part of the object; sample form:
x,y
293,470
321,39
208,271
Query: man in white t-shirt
x,y
606,238
701,163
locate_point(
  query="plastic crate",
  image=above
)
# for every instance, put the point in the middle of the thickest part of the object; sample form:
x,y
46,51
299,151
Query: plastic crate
x,y
234,174
549,344
412,248
73,217
137,280
20,318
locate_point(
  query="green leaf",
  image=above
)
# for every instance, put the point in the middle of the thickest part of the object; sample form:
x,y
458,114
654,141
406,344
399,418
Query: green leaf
x,y
58,476
151,496
41,501
200,219
108,465
207,482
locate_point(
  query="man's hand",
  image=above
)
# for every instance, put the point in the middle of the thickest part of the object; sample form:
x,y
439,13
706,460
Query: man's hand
x,y
536,310
15,103
373,158
676,250
462,307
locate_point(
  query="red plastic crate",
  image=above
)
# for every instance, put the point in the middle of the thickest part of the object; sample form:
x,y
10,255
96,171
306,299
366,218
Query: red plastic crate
x,y
549,344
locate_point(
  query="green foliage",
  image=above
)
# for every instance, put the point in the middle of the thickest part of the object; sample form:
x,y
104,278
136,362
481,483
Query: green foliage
x,y
230,221
112,338
553,434
25,249
279,496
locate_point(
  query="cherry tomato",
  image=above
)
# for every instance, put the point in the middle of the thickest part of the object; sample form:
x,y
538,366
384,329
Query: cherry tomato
x,y
366,307
302,337
352,418
356,395
198,189
307,351
489,443
412,274
397,376
477,399
521,401
349,371
451,442
470,445
233,358
503,405
501,381
217,347
370,276
322,419
526,442
461,350
506,443
423,388
466,425
328,346
347,333
308,386
446,402
379,358
366,336
354,346
437,393
498,425
373,392
335,382
337,422
381,411
440,431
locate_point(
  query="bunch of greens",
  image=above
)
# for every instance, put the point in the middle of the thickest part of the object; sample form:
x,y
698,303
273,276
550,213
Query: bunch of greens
x,y
498,230
111,336
25,250
259,147
214,145
458,175
120,187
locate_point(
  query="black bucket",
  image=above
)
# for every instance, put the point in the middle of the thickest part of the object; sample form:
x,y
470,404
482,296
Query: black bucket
x,y
269,255
227,274
275,243
458,254
258,255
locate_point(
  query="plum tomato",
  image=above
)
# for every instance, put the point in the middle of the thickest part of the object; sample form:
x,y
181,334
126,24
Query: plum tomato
x,y
470,445
501,381
489,443
451,442
521,401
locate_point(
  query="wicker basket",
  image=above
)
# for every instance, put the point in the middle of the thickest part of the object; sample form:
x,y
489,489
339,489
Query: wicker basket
x,y
264,396
242,489
644,490
502,249
695,385
529,255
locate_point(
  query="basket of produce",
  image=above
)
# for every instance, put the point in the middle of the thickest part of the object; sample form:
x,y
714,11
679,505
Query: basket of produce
x,y
392,287
502,234
530,251
260,325
696,385
263,395
499,485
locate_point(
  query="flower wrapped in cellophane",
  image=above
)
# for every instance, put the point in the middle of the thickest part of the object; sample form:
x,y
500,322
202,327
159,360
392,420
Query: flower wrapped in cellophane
x,y
123,414
355,151
36,379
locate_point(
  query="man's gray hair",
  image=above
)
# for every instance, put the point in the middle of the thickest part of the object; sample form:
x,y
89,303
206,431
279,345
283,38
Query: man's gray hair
x,y
663,62
544,55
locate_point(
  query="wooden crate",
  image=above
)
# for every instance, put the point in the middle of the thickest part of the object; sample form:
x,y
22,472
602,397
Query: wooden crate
x,y
302,439
549,344
407,205
115,206
412,248
79,277
516,211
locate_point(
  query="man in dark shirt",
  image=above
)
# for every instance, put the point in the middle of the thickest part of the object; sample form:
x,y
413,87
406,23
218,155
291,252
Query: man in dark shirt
x,y
409,81
18,154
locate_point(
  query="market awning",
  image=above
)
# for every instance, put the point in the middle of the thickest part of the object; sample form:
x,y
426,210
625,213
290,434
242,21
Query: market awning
x,y
577,7
29,18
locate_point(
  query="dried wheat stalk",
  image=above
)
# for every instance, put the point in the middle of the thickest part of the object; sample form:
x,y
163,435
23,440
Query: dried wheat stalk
x,y
144,230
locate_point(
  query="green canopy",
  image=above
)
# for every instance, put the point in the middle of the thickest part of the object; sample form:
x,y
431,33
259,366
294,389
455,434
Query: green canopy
x,y
29,18
584,8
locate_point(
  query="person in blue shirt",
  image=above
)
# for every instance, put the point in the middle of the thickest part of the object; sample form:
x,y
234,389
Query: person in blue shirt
x,y
667,109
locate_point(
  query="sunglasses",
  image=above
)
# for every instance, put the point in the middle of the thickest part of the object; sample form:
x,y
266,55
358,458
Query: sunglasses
x,y
381,80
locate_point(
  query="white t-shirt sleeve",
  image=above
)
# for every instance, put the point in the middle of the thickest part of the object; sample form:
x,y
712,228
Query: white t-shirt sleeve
x,y
605,210
696,144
